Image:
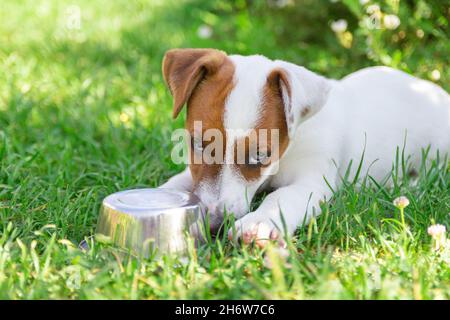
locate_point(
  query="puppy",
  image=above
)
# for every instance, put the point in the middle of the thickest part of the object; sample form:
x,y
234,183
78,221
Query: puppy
x,y
323,125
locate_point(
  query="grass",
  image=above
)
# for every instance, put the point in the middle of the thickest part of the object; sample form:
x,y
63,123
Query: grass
x,y
84,113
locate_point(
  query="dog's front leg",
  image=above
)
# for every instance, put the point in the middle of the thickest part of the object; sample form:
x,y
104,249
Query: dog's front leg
x,y
181,181
287,207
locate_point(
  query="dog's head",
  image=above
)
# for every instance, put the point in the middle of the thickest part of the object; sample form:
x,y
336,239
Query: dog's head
x,y
253,105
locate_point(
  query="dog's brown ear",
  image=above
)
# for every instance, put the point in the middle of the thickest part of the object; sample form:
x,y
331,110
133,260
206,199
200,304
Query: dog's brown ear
x,y
183,69
303,92
278,82
280,88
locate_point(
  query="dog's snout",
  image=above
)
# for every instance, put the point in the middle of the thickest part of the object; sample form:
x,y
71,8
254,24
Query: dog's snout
x,y
213,209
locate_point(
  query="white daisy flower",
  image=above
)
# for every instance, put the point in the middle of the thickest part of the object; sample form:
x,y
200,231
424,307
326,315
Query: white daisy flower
x,y
204,31
391,21
438,234
339,26
401,202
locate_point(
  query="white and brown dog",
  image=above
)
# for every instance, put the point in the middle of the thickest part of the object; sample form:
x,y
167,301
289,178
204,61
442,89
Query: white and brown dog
x,y
323,125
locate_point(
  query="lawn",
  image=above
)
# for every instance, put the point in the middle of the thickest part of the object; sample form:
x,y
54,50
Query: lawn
x,y
84,113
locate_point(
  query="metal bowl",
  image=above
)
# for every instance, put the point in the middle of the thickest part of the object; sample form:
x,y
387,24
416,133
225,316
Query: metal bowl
x,y
148,221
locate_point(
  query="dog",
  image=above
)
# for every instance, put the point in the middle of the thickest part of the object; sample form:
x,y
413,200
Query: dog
x,y
323,125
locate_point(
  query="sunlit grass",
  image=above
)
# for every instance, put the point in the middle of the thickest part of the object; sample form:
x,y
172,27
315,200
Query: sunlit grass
x,y
84,113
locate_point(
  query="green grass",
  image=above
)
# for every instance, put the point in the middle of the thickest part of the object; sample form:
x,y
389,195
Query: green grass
x,y
84,113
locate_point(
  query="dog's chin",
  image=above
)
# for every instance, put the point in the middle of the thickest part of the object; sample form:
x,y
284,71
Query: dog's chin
x,y
216,228
217,225
216,219
211,221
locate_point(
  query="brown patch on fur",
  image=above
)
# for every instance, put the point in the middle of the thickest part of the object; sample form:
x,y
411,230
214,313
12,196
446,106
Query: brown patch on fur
x,y
272,117
202,78
184,69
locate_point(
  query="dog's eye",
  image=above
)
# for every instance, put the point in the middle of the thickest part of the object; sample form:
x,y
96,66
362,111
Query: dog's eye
x,y
197,145
259,159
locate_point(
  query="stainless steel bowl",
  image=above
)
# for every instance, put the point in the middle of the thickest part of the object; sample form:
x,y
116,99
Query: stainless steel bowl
x,y
148,221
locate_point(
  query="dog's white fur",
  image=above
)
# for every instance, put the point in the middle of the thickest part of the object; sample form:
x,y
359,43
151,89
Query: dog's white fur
x,y
375,110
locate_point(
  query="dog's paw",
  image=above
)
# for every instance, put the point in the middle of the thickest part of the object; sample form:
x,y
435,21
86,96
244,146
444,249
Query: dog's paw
x,y
249,229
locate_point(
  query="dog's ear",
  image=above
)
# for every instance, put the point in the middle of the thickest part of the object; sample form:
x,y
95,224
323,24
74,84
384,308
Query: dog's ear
x,y
183,69
303,92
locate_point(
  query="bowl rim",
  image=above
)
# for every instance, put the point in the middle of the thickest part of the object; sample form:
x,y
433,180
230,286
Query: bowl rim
x,y
112,202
